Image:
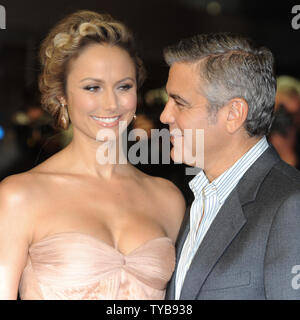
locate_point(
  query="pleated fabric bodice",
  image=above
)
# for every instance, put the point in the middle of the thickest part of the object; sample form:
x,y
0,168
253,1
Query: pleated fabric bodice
x,y
77,266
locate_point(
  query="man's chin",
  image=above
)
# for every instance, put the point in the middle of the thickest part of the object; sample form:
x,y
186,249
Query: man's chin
x,y
176,158
180,159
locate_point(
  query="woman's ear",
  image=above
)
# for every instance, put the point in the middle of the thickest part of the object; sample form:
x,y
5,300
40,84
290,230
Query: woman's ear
x,y
62,100
237,114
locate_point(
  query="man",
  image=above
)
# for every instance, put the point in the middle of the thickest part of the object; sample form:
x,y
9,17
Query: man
x,y
240,239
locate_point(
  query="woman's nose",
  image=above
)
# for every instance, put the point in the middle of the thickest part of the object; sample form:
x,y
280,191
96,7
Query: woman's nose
x,y
110,101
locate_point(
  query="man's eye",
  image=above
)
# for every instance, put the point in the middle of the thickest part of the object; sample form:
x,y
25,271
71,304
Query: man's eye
x,y
179,104
92,88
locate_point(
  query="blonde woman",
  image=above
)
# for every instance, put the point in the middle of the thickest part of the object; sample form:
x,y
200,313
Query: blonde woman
x,y
72,228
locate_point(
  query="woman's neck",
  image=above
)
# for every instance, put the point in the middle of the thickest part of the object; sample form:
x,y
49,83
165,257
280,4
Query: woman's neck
x,y
96,158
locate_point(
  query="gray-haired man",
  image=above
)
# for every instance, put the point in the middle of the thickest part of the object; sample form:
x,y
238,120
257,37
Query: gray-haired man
x,y
241,236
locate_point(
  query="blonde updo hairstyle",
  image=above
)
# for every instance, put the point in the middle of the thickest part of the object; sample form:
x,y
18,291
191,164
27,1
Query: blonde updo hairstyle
x,y
65,42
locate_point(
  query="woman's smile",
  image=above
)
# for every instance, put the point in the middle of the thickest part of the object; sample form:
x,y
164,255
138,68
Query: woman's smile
x,y
107,121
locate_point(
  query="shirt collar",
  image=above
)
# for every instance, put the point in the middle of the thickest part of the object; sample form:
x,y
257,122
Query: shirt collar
x,y
225,183
198,183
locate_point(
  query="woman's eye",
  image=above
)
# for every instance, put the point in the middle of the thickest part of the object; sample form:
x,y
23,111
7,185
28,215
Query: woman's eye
x,y
125,87
92,88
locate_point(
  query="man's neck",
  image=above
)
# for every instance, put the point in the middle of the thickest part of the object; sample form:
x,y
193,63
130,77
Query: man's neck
x,y
224,160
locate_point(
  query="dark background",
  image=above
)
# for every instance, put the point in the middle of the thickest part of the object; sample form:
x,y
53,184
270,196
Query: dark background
x,y
155,23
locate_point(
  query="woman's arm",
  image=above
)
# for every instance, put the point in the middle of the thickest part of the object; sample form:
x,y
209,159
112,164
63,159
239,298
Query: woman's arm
x,y
15,231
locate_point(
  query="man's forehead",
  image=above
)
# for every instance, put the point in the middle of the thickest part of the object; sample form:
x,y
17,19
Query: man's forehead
x,y
184,74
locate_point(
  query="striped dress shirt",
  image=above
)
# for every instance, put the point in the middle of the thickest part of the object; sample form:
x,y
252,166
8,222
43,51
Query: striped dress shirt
x,y
209,198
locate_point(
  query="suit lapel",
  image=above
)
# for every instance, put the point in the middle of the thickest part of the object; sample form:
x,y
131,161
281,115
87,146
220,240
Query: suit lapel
x,y
228,222
183,232
224,228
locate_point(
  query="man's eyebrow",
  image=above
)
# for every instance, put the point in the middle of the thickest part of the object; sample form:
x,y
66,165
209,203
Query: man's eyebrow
x,y
177,97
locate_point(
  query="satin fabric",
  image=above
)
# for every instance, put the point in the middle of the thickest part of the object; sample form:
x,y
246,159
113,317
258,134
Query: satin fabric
x,y
76,266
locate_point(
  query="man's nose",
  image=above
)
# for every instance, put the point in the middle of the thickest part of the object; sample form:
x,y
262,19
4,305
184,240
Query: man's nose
x,y
167,115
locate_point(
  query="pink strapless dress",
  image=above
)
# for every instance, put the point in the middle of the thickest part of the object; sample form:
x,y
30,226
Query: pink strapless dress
x,y
76,266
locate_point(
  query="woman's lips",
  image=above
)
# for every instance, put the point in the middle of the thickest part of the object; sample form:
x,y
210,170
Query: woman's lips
x,y
106,121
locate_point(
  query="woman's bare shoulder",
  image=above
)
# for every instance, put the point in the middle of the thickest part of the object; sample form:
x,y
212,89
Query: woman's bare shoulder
x,y
28,183
170,202
31,187
18,201
163,191
16,181
18,189
166,188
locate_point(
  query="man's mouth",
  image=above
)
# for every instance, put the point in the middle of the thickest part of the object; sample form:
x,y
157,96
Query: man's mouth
x,y
175,136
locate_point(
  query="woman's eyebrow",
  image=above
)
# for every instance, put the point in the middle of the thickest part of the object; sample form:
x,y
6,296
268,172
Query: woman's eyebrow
x,y
101,81
93,79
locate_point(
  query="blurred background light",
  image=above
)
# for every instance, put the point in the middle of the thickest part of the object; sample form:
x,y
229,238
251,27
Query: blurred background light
x,y
1,133
213,8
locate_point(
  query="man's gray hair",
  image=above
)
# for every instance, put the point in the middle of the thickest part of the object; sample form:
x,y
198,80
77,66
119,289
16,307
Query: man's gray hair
x,y
232,67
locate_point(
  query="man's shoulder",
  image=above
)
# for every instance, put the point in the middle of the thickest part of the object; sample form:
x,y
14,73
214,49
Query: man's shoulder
x,y
274,172
281,183
270,180
286,174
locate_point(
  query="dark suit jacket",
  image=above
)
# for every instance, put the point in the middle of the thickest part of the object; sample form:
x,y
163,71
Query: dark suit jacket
x,y
252,249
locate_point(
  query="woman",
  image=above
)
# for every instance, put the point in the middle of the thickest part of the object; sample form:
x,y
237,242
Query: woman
x,y
72,228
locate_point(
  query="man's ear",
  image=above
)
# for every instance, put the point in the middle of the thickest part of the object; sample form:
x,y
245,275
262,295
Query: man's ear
x,y
237,111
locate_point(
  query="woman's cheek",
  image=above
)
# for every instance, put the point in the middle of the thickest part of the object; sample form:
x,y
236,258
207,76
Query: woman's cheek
x,y
130,102
85,103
